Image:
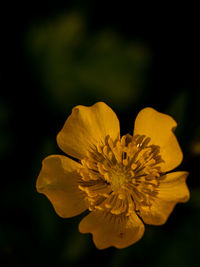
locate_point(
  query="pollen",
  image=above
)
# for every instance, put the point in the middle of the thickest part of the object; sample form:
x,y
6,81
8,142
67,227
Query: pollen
x,y
122,176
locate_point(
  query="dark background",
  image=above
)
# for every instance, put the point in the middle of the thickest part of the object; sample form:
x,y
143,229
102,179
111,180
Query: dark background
x,y
56,56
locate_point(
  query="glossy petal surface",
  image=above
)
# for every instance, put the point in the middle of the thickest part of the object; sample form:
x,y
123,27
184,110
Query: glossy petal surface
x,y
87,127
110,230
159,127
58,180
171,191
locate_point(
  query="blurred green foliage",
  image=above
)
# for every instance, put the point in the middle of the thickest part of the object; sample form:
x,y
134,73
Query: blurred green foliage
x,y
74,64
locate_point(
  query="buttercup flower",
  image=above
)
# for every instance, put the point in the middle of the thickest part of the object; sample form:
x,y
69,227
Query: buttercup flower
x,y
123,182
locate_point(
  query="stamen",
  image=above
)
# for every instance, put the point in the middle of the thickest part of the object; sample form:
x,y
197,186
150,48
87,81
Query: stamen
x,y
119,176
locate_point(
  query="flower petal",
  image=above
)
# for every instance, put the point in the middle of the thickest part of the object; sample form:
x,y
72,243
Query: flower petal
x,y
58,180
172,190
86,127
112,230
158,127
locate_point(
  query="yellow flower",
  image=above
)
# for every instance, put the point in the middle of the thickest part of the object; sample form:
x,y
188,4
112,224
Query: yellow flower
x,y
123,182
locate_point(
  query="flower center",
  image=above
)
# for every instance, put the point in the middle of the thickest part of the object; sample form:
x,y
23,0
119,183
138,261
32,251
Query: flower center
x,y
117,181
121,176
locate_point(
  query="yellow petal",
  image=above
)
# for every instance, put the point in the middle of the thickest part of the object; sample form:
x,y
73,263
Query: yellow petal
x,y
173,189
58,180
111,230
159,127
86,127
